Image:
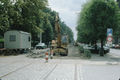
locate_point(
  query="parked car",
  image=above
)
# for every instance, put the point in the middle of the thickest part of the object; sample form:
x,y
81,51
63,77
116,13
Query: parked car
x,y
93,50
106,49
113,45
117,46
40,46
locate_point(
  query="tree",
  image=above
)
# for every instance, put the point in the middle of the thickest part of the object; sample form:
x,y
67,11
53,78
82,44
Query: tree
x,y
31,16
51,17
48,31
117,31
4,18
97,16
65,30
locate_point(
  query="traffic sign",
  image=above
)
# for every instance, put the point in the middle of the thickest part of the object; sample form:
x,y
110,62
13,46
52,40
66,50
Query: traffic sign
x,y
109,31
109,38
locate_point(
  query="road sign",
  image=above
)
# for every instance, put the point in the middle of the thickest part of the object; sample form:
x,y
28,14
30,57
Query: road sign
x,y
109,32
109,38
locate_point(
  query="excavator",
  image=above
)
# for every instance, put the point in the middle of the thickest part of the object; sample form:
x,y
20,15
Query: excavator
x,y
60,44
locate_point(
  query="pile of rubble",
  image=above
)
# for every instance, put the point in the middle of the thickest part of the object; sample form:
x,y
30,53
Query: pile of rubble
x,y
38,53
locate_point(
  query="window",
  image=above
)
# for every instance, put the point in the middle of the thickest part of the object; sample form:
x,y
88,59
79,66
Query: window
x,y
29,38
12,38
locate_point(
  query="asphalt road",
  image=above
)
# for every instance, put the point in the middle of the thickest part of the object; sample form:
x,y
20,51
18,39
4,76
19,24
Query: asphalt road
x,y
115,52
65,68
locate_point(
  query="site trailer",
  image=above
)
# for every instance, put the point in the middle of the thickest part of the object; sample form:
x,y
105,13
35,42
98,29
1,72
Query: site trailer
x,y
17,40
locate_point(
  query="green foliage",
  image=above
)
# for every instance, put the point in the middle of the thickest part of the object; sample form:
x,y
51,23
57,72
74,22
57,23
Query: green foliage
x,y
66,30
1,40
117,31
47,28
31,16
87,53
4,18
95,17
81,49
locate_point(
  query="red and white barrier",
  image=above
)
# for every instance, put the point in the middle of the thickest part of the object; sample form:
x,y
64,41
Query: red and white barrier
x,y
51,54
46,56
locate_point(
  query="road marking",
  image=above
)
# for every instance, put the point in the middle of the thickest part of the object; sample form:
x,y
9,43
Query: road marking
x,y
75,74
61,79
15,70
45,78
80,73
14,62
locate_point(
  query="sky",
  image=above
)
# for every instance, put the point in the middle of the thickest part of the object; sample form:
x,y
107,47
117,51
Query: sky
x,y
68,11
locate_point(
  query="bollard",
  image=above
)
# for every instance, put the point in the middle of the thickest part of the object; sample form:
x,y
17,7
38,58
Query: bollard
x,y
51,54
46,56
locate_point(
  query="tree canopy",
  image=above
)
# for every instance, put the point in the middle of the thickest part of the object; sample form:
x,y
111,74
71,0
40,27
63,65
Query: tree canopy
x,y
94,19
96,16
31,16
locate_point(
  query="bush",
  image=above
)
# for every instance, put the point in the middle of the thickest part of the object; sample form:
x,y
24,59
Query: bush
x,y
81,49
1,39
87,53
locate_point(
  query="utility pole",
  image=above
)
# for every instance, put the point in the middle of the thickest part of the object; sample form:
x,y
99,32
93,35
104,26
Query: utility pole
x,y
40,37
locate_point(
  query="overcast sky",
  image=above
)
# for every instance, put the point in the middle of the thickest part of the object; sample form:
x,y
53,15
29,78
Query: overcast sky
x,y
68,11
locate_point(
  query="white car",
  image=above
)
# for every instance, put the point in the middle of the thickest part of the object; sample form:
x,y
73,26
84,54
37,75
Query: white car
x,y
41,46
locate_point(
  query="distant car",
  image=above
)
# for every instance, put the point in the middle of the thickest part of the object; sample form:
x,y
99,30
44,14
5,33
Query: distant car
x,y
117,46
106,49
93,50
113,45
41,46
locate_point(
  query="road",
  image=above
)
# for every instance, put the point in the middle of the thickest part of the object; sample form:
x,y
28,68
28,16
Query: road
x,y
63,68
115,52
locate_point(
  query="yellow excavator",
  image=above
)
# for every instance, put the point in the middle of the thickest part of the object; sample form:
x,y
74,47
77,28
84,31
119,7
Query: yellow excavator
x,y
60,44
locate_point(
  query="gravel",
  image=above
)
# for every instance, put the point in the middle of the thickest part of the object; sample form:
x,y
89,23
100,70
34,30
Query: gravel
x,y
38,53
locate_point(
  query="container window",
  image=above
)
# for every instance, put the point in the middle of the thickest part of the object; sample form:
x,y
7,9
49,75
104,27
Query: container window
x,y
29,38
12,38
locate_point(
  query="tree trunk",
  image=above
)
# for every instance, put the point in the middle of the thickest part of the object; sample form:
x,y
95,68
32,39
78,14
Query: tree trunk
x,y
101,49
96,47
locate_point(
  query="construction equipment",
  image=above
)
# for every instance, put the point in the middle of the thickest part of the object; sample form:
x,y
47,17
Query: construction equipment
x,y
59,45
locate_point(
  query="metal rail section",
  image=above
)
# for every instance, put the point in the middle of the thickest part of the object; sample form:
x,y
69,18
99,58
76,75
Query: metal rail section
x,y
15,70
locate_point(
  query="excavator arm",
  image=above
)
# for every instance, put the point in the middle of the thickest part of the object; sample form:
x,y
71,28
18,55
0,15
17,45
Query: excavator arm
x,y
57,28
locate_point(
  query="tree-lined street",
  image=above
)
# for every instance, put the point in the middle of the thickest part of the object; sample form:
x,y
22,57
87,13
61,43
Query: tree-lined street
x,y
37,44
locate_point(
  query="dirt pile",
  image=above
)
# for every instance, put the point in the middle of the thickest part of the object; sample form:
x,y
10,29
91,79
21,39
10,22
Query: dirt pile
x,y
38,53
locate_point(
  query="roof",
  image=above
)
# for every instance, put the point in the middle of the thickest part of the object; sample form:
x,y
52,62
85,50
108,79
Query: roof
x,y
19,31
24,32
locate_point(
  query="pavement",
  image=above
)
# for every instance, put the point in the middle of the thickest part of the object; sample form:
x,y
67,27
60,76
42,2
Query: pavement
x,y
66,68
115,52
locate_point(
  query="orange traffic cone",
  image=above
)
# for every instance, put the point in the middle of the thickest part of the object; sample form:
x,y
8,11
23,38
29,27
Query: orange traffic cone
x,y
46,56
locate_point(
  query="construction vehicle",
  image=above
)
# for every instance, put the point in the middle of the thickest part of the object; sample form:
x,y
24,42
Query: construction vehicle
x,y
59,45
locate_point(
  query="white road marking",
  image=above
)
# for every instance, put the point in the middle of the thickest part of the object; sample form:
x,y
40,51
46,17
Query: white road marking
x,y
80,72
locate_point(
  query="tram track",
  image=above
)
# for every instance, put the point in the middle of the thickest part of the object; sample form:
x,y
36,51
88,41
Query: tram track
x,y
15,70
46,75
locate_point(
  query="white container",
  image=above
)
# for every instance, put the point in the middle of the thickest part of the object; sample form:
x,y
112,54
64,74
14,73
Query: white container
x,y
17,40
